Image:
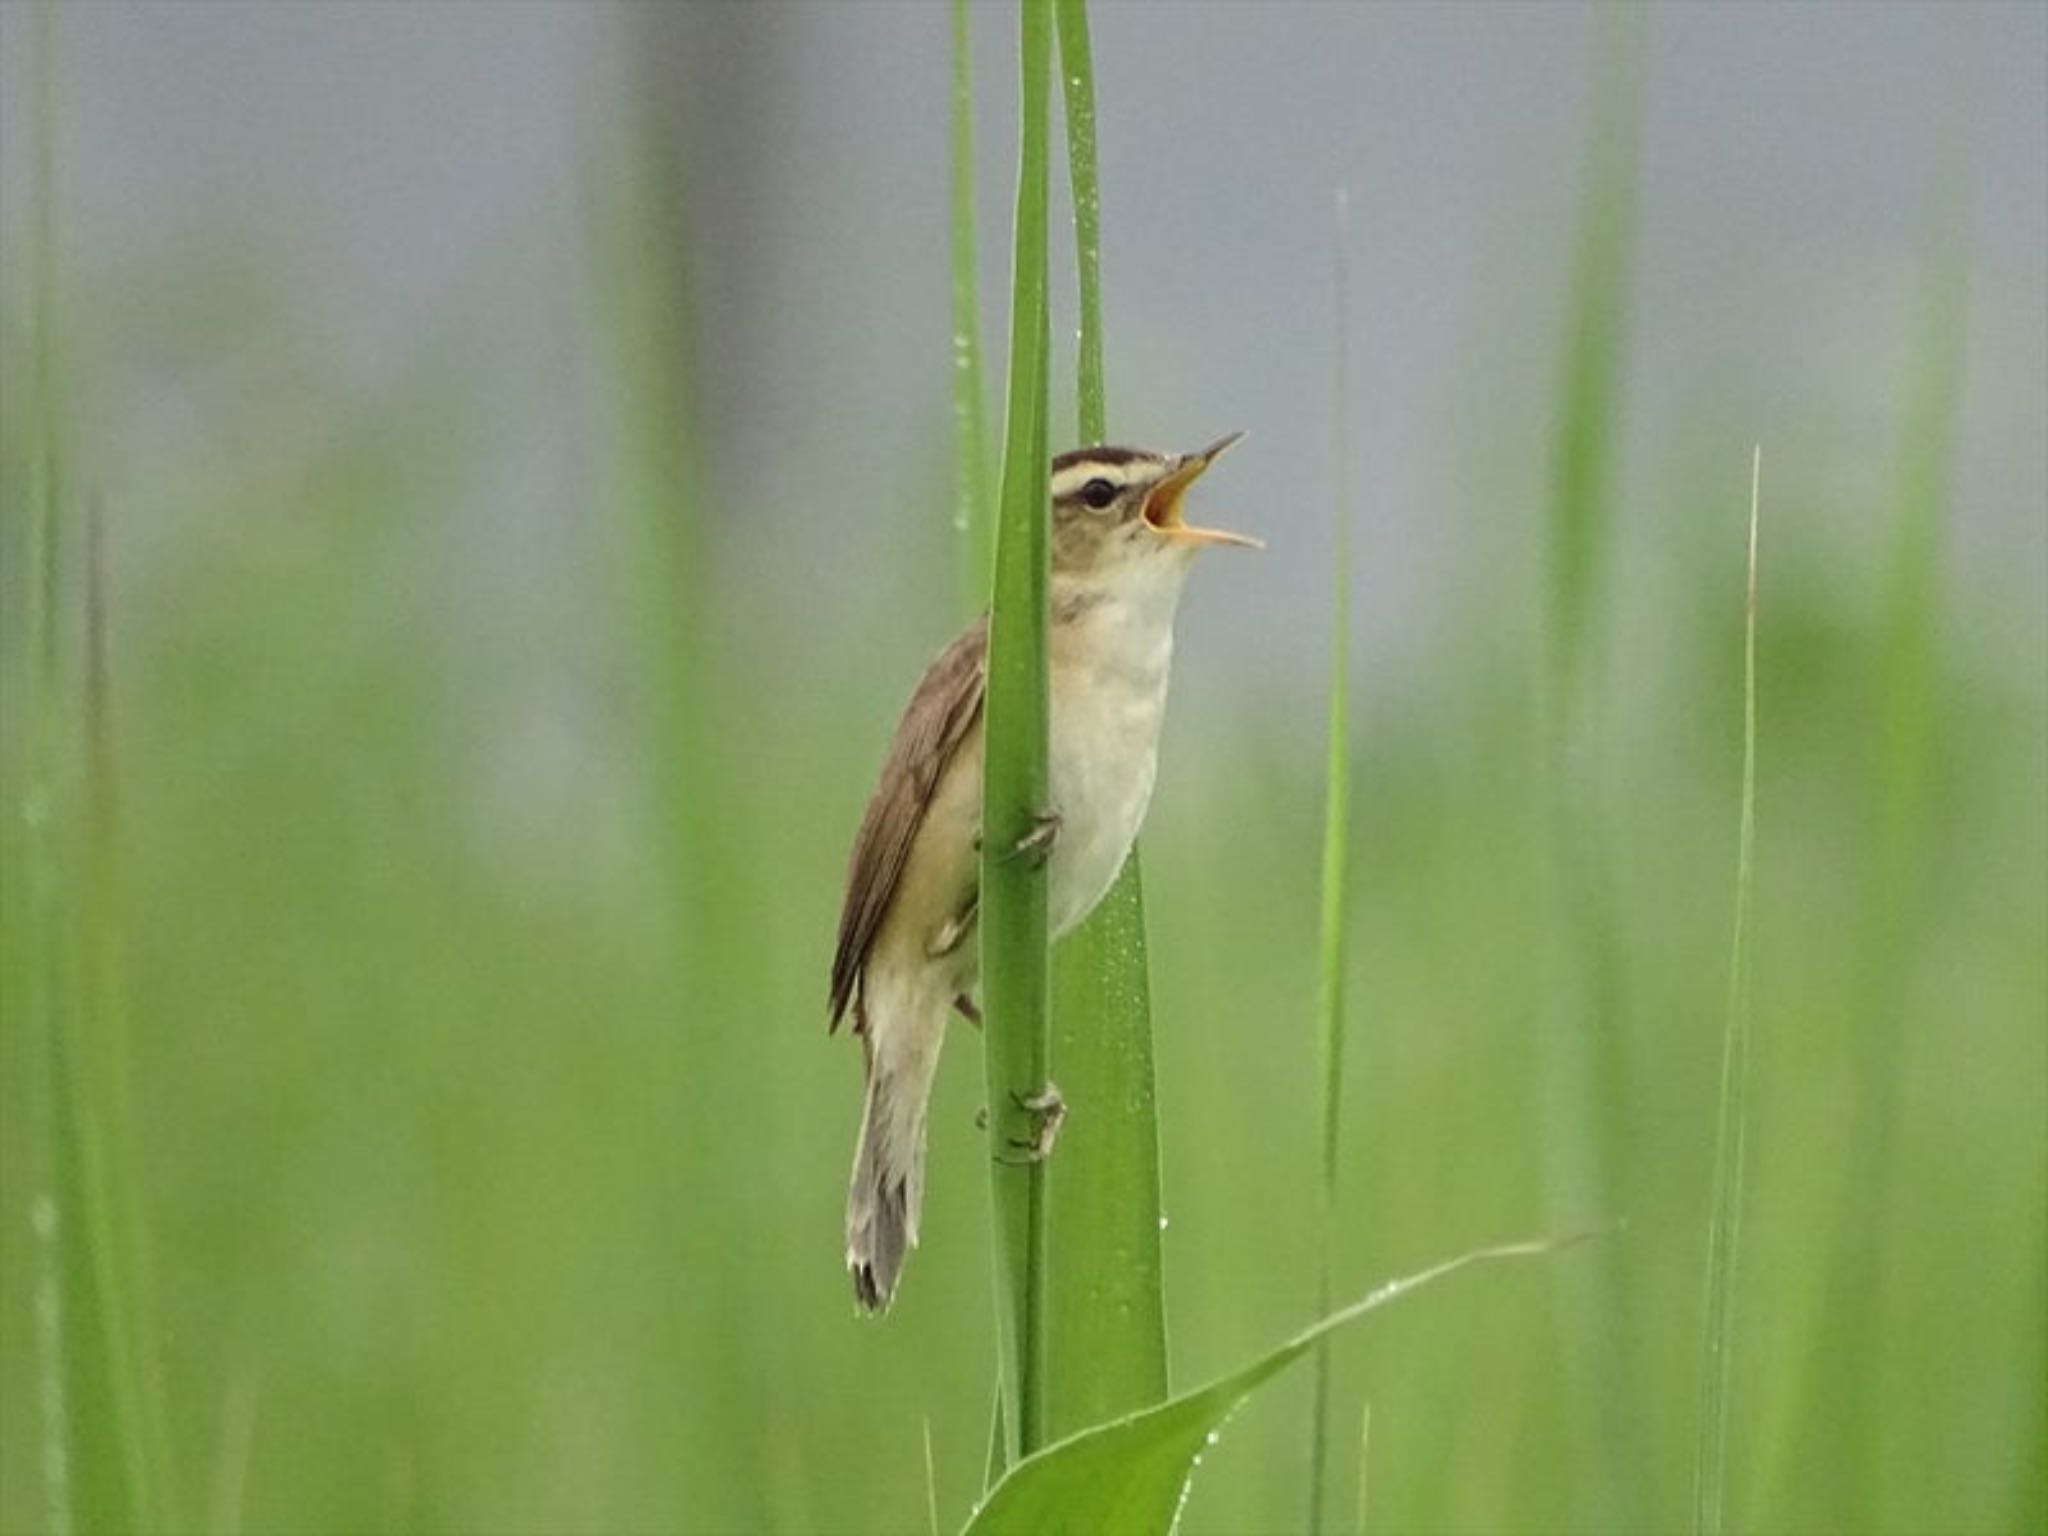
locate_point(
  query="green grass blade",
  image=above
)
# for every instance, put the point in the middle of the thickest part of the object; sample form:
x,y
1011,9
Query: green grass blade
x,y
1077,78
1362,1504
1710,1469
973,517
58,1305
1015,788
1336,851
1134,1473
1107,1303
996,1462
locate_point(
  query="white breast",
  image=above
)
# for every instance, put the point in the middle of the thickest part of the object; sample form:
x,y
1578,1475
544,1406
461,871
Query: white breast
x,y
1109,675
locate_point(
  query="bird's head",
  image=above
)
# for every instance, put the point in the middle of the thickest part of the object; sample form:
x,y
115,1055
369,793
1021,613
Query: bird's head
x,y
1114,507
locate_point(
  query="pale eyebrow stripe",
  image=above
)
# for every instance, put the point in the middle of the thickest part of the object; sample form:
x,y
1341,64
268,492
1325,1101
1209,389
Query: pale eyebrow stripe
x,y
1071,477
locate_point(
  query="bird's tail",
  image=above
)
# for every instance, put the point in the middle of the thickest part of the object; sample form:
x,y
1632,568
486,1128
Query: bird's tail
x,y
888,1165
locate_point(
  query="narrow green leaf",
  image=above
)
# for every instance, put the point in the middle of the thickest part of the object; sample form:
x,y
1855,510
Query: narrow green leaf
x,y
59,1305
1133,1473
1077,78
1364,1467
996,1462
1015,786
1710,1468
1107,1310
973,516
1336,860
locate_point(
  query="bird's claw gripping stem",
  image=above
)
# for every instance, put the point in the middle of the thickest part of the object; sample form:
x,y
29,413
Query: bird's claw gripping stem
x,y
1048,1111
1036,844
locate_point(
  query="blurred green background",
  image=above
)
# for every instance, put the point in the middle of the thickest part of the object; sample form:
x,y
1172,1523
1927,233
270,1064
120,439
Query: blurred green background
x,y
520,434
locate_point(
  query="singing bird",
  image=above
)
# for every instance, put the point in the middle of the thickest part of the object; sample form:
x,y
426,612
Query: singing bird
x,y
907,956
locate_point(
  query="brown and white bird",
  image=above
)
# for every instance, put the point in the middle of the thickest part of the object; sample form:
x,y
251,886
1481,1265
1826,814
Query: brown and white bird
x,y
907,955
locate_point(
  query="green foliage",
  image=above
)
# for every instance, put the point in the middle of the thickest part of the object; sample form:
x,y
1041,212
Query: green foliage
x,y
1133,1473
493,1153
1016,788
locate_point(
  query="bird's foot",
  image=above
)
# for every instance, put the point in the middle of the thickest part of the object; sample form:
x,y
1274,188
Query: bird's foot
x,y
1048,1111
952,933
1036,844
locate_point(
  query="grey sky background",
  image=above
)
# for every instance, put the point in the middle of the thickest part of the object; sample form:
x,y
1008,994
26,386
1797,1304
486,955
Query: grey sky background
x,y
313,199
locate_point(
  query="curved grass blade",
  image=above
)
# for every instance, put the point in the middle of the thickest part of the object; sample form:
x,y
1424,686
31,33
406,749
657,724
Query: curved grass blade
x,y
1133,1474
1107,1304
1015,785
1710,1468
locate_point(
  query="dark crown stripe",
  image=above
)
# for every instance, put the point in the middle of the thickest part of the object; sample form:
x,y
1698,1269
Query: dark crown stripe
x,y
1100,454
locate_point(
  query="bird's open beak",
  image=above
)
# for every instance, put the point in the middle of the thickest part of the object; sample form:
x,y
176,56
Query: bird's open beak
x,y
1162,507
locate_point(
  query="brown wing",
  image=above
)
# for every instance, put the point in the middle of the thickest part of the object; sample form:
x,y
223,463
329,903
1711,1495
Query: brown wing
x,y
940,714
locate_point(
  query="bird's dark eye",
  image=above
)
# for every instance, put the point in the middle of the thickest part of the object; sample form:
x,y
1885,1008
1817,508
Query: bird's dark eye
x,y
1098,494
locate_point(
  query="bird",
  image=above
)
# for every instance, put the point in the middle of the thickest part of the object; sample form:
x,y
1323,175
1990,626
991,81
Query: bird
x,y
906,958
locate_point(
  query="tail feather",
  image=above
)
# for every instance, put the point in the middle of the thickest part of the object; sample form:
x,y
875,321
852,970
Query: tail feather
x,y
887,1189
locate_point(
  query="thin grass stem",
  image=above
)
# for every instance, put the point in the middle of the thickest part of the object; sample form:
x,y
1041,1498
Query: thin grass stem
x,y
55,1307
973,515
1077,78
1359,1518
1724,1234
1335,866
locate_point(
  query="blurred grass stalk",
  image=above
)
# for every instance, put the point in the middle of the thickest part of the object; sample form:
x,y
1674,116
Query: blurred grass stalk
x,y
1107,1313
1844,1449
104,1455
1015,788
1336,863
699,861
973,517
1724,1236
1586,1092
654,459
